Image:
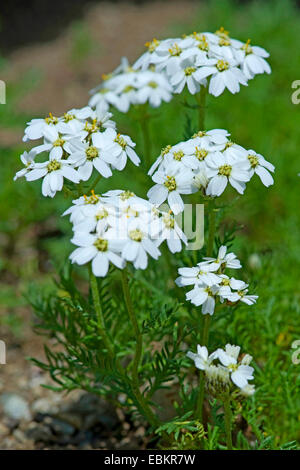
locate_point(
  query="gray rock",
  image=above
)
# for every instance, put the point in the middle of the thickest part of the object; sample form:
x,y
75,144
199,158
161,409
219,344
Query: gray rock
x,y
59,427
15,407
40,433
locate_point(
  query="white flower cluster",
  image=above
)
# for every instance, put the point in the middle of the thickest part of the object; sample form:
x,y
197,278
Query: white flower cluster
x,y
120,227
76,143
210,282
126,86
191,60
220,377
208,161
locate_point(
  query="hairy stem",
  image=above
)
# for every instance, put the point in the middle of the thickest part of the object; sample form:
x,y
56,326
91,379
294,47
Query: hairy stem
x,y
200,97
228,420
143,405
98,309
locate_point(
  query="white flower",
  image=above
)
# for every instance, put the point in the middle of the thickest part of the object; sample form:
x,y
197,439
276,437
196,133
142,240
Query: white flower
x,y
186,74
224,260
204,296
154,88
252,60
98,217
27,158
123,149
54,142
100,249
261,167
201,359
128,87
170,53
138,245
214,136
77,211
146,59
227,284
202,274
102,116
53,171
36,127
240,373
171,181
221,169
184,152
224,74
97,154
166,228
248,390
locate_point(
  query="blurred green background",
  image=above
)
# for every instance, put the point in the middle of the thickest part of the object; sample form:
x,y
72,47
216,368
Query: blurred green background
x,y
34,237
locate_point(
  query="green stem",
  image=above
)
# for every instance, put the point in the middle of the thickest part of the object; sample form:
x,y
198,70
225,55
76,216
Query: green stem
x,y
98,309
200,97
153,420
212,227
228,420
94,184
144,121
207,318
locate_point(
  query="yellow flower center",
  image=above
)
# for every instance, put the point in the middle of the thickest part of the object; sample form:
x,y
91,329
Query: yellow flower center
x,y
101,244
152,45
58,142
175,50
222,65
51,119
53,166
253,159
126,195
170,183
93,127
136,235
209,291
247,48
91,153
222,32
122,142
102,214
225,282
199,134
224,42
166,150
201,154
68,117
106,76
93,199
202,41
189,70
225,170
228,144
233,367
178,155
169,221
128,88
152,84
